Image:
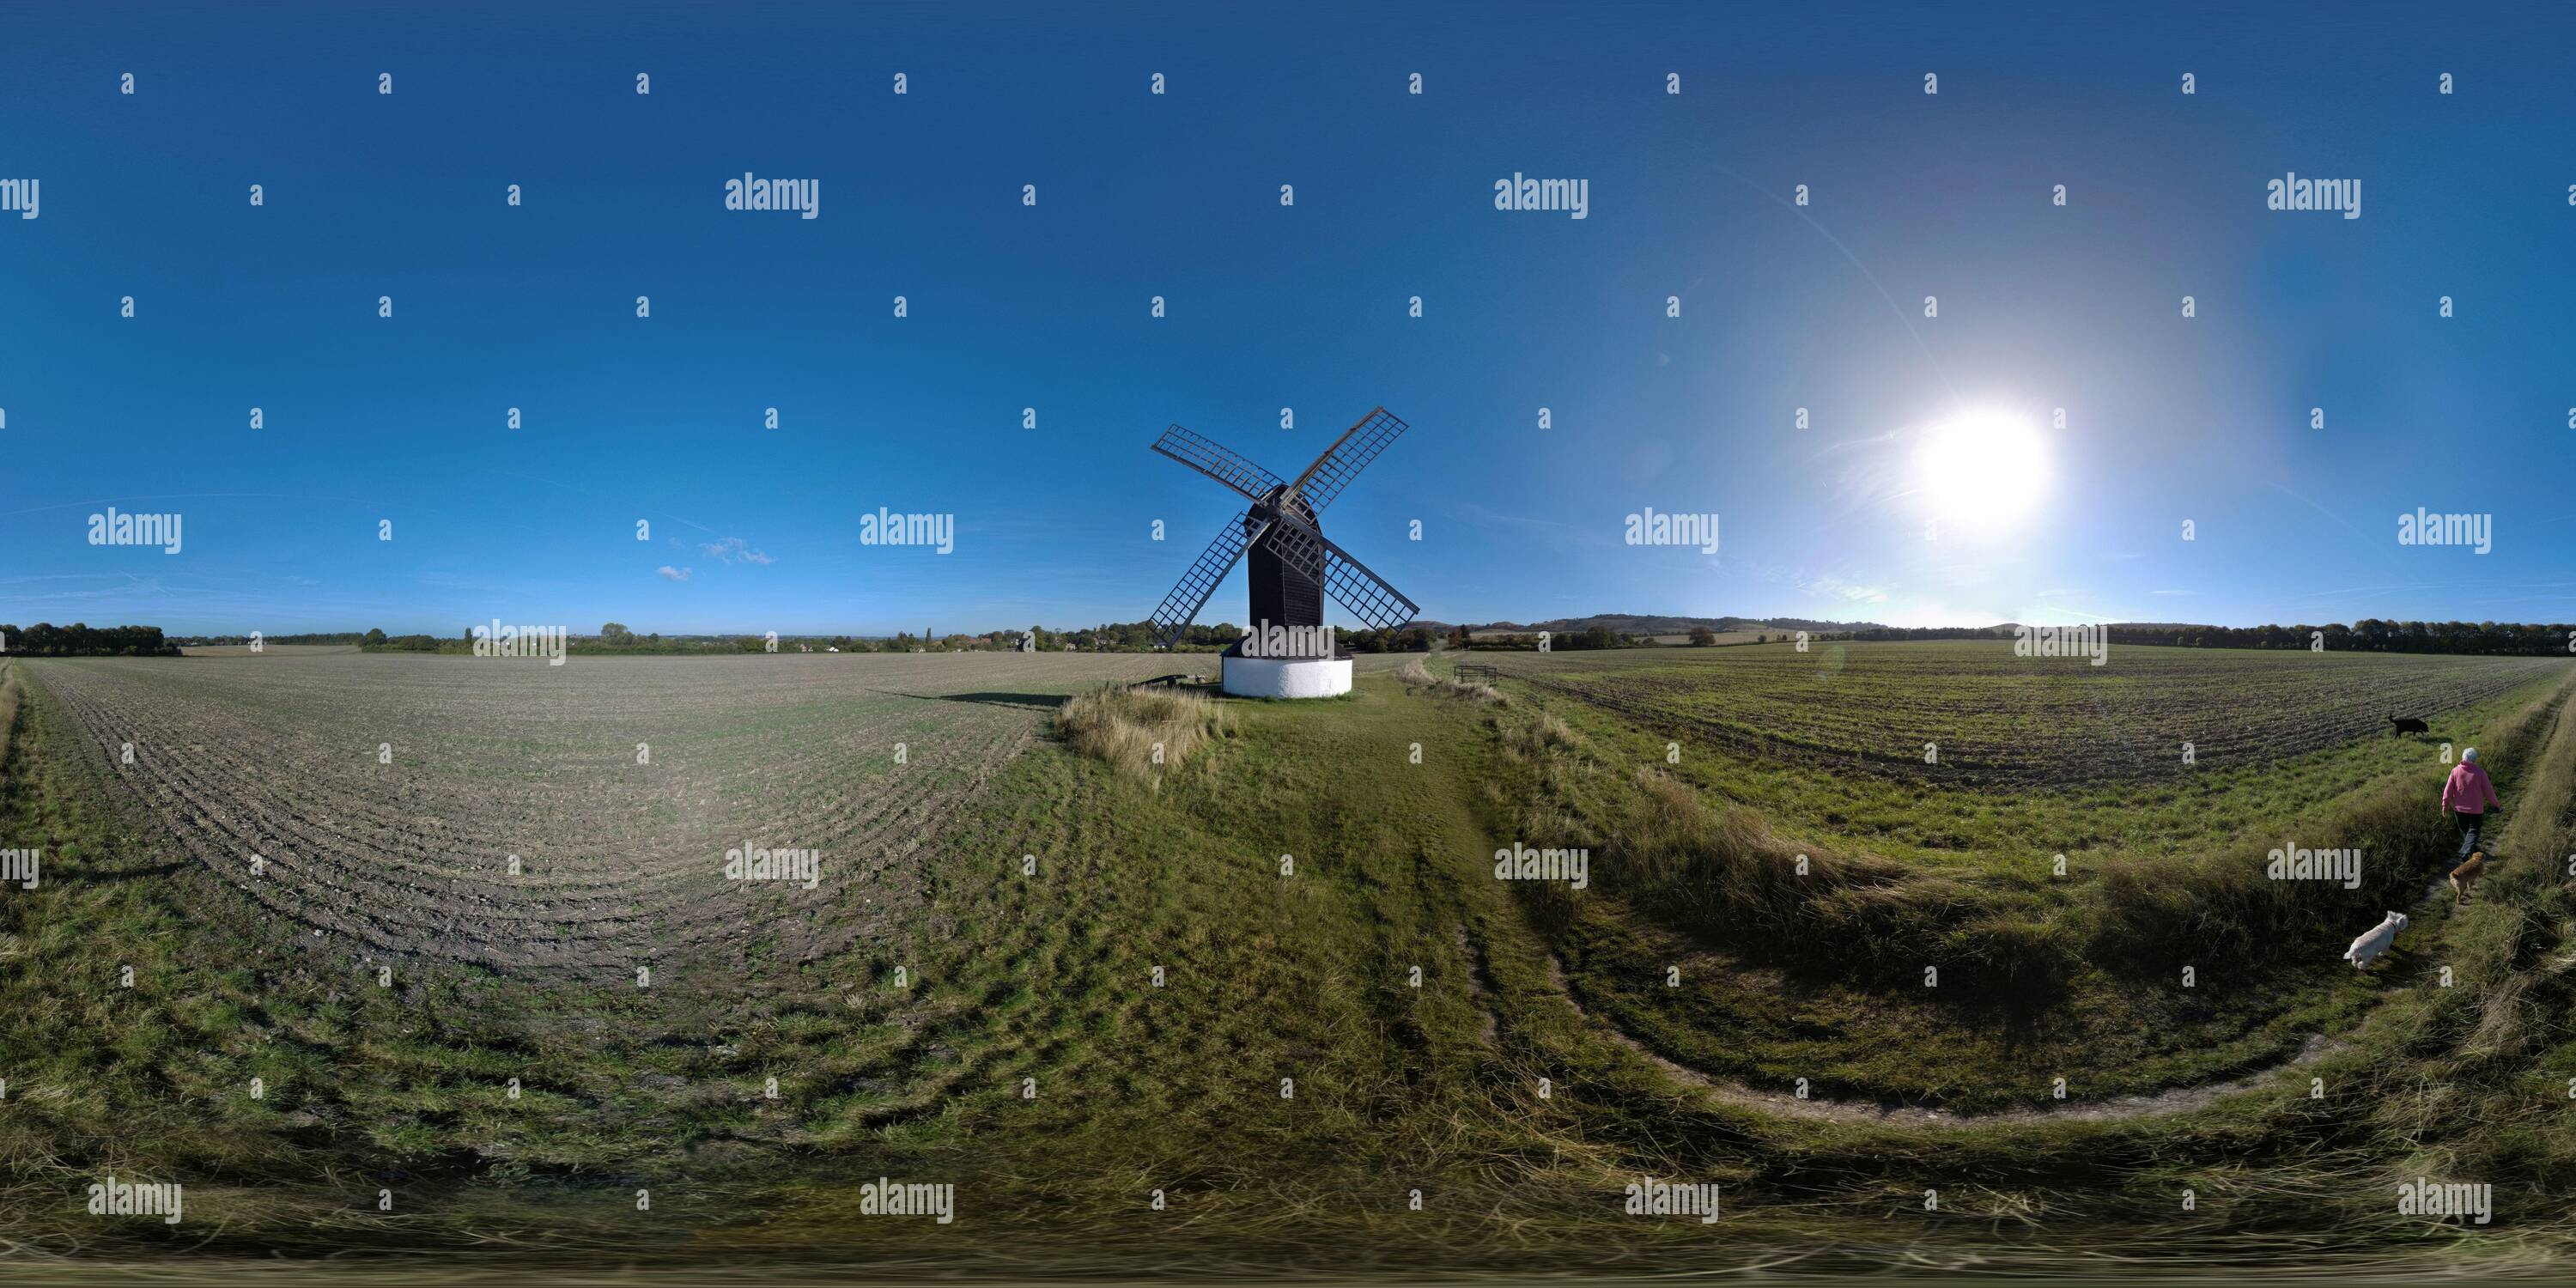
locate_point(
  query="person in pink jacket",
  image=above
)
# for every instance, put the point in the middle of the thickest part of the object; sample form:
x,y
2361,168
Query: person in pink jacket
x,y
2467,796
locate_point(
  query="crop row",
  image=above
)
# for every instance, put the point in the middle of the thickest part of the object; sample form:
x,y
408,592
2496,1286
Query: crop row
x,y
386,796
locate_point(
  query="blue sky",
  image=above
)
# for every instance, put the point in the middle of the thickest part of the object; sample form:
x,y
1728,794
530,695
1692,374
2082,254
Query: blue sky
x,y
2204,419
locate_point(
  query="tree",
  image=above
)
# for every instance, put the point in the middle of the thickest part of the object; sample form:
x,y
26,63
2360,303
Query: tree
x,y
375,635
1702,636
616,634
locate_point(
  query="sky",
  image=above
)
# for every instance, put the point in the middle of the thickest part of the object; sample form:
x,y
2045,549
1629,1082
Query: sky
x,y
1550,390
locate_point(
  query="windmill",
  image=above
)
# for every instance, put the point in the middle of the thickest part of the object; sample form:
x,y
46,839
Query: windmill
x,y
1293,565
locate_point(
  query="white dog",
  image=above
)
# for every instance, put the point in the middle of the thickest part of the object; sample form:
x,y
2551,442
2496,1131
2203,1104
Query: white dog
x,y
2375,941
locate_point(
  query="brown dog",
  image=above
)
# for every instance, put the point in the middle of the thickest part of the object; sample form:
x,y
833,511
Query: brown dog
x,y
2466,875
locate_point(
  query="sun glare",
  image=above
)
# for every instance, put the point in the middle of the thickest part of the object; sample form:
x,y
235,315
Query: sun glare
x,y
1982,470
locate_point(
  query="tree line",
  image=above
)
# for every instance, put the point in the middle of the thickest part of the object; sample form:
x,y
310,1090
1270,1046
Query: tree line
x,y
2369,635
1117,637
44,639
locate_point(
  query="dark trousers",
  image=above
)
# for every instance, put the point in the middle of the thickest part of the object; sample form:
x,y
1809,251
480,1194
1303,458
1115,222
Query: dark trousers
x,y
2469,825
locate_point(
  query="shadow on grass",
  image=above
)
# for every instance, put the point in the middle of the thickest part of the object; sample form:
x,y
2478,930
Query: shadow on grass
x,y
1036,701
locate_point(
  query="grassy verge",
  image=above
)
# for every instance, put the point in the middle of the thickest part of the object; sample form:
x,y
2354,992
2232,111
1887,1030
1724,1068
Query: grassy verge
x,y
1868,977
1417,676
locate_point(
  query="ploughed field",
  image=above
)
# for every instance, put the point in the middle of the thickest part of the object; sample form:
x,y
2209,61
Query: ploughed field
x,y
2004,720
386,795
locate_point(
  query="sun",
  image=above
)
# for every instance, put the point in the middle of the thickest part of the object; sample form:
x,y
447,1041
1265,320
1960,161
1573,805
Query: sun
x,y
1981,470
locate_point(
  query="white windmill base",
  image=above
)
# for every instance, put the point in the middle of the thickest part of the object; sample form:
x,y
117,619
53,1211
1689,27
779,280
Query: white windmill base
x,y
1296,677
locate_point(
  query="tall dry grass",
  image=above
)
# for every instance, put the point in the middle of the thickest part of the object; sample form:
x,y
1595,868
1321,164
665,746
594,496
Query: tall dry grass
x,y
1418,677
1145,731
8,708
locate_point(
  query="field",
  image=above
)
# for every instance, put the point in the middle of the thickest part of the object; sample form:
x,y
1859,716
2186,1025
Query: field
x,y
390,798
2035,758
265,650
1270,1007
2000,720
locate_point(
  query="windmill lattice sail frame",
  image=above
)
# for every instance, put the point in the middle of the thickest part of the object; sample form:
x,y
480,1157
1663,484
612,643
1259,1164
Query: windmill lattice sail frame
x,y
1294,566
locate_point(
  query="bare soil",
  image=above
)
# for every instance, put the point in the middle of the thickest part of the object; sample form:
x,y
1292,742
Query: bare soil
x,y
619,783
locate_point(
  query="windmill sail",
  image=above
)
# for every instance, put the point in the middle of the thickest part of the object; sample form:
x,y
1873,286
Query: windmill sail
x,y
1298,545
1191,593
1294,567
1364,593
1348,455
1218,462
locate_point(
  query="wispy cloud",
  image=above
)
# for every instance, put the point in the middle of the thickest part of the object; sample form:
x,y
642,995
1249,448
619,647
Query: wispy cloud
x,y
1485,515
1839,588
733,550
669,573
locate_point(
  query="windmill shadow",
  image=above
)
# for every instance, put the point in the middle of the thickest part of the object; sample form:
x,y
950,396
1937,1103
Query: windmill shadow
x,y
1049,701
137,874
1038,701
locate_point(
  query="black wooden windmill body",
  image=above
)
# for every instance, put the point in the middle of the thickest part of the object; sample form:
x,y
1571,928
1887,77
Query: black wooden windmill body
x,y
1293,565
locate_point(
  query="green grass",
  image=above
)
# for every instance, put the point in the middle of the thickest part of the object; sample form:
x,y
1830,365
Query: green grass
x,y
1010,976
1820,973
2093,727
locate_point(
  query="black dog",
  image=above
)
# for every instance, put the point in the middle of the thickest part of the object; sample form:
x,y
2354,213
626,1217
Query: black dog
x,y
2406,724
